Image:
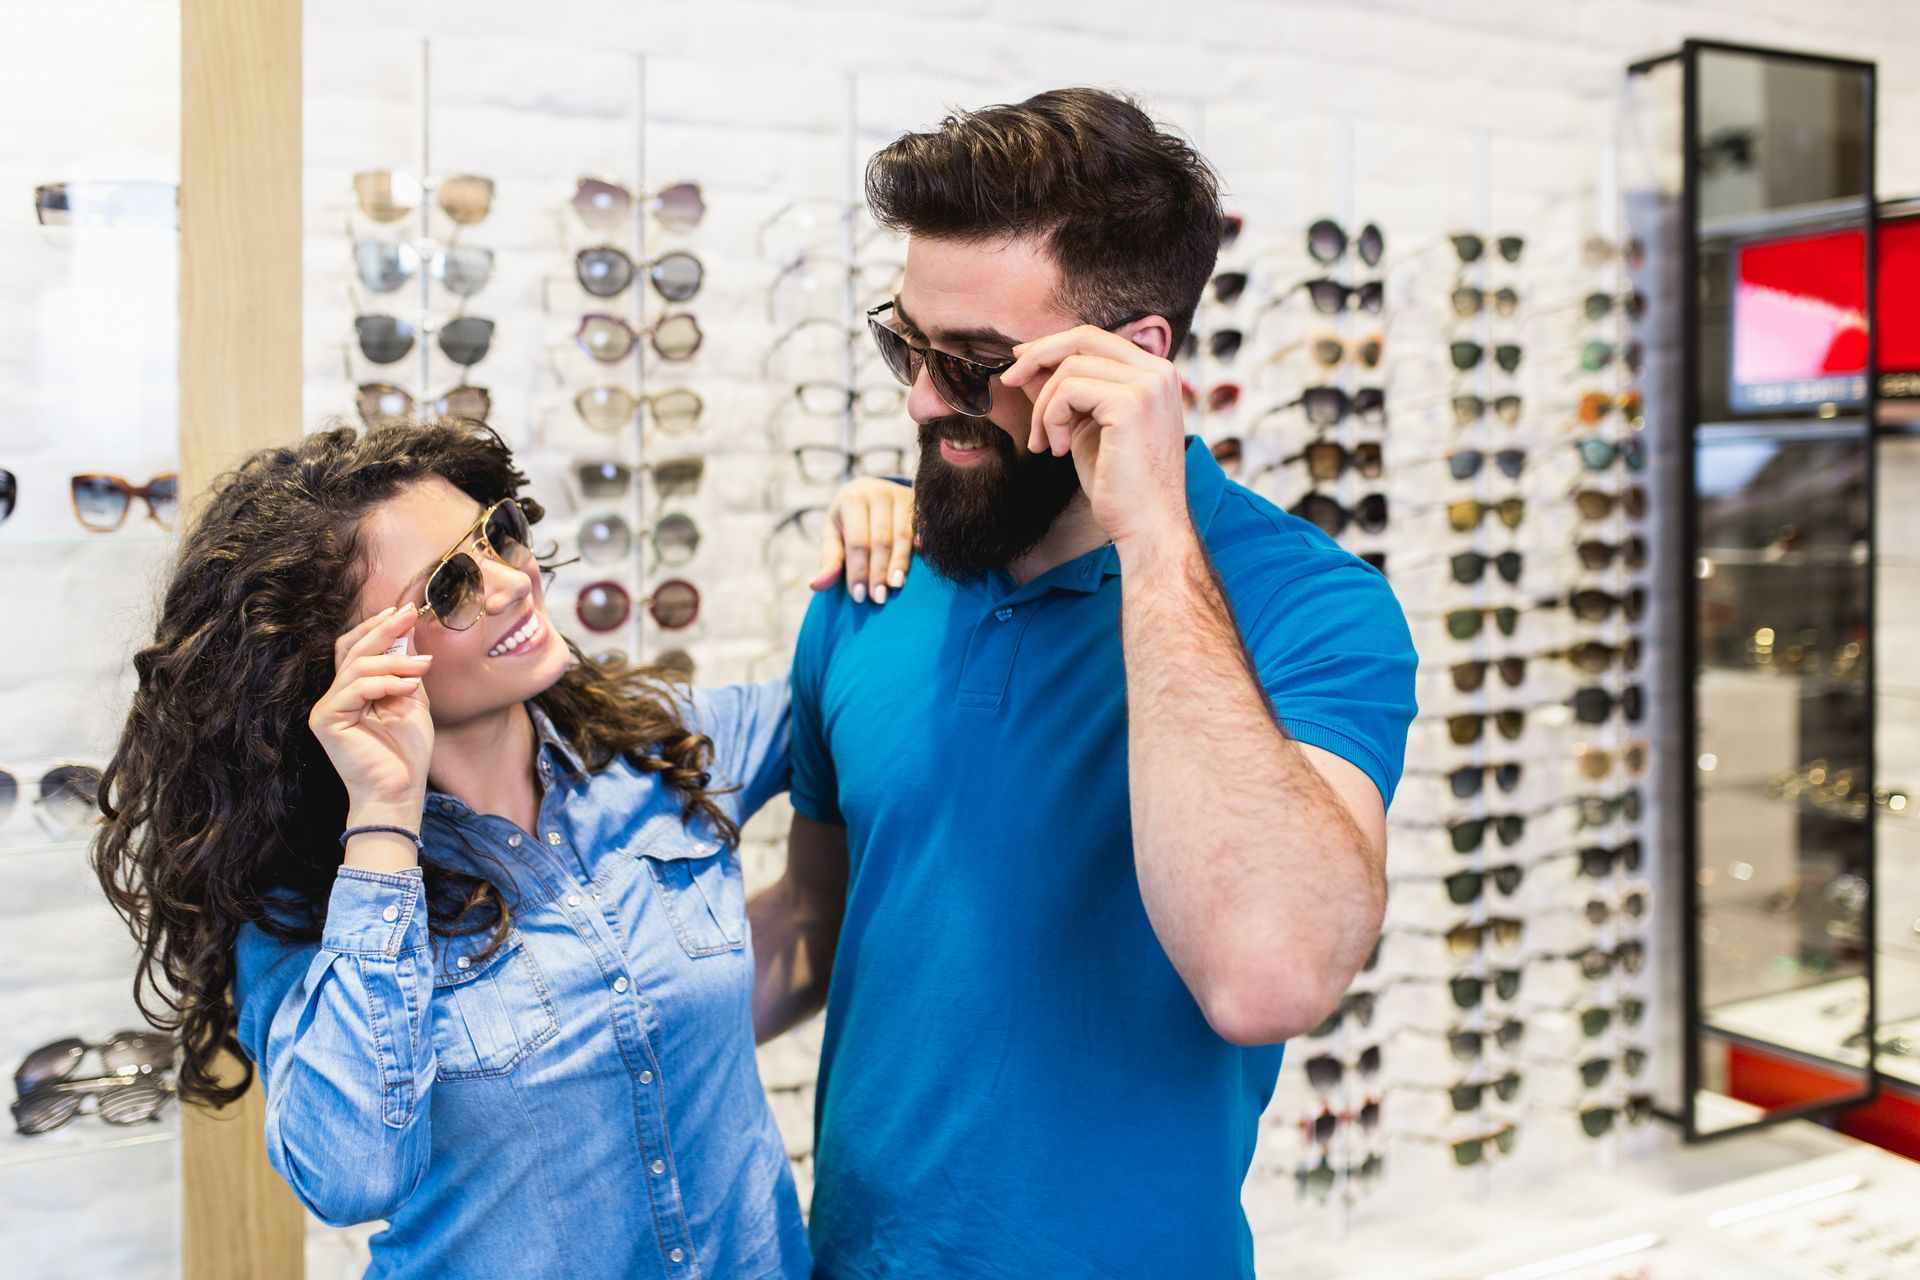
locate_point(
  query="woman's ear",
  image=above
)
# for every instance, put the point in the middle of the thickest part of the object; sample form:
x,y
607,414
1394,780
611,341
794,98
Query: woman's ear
x,y
1152,334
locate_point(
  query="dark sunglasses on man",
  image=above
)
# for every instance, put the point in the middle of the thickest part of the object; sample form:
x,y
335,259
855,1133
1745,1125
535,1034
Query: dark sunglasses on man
x,y
965,385
454,596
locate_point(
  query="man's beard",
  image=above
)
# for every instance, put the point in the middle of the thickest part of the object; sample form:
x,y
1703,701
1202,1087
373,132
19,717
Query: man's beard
x,y
975,519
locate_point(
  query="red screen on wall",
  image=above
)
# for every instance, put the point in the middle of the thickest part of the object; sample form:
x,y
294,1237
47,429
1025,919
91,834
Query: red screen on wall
x,y
1799,322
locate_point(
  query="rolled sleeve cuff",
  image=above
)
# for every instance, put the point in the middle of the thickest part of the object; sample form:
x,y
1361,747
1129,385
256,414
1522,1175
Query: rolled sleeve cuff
x,y
1348,747
375,913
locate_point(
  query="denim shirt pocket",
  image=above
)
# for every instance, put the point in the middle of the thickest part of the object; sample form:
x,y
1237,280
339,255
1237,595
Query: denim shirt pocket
x,y
700,889
489,1011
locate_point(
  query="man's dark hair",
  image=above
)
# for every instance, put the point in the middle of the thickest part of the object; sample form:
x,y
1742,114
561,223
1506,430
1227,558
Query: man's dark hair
x,y
1130,212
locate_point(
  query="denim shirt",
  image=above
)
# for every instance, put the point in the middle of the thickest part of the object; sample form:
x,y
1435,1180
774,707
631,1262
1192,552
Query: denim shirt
x,y
583,1102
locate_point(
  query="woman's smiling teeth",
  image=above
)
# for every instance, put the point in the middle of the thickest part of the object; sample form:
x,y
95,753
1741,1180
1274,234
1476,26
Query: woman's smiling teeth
x,y
523,635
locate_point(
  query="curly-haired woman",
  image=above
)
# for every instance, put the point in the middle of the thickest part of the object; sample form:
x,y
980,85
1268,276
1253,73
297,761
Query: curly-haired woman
x,y
476,898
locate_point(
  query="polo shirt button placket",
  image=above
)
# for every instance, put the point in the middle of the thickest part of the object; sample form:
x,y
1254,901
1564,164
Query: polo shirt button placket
x,y
1004,614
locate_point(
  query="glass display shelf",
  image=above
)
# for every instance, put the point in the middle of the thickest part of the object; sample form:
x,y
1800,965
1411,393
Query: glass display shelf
x,y
1767,557
11,849
87,1135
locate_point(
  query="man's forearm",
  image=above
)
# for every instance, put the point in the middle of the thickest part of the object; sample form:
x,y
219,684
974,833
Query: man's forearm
x,y
1259,883
793,946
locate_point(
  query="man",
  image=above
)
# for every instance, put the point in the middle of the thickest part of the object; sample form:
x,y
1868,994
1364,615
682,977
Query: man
x,y
1092,818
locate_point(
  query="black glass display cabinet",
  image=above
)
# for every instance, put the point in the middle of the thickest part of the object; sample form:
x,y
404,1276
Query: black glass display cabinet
x,y
1760,220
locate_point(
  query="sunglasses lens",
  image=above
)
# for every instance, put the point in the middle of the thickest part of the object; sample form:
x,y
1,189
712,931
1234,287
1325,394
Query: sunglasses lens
x,y
1468,409
605,538
673,479
466,199
1466,783
163,497
677,410
606,408
463,271
9,490
386,196
677,337
604,479
1230,227
677,276
465,341
1323,512
1326,241
1463,887
1469,247
48,1064
605,338
1229,285
1507,356
675,605
1466,992
384,267
1468,835
1464,624
965,387
453,593
129,1053
1506,776
1465,355
602,606
1372,245
473,403
383,339
680,206
1511,462
1325,406
1323,1073
509,534
1510,247
675,539
43,1112
1512,511
1325,460
9,793
602,205
603,272
382,402
1329,297
1464,729
1469,676
1596,1120
99,501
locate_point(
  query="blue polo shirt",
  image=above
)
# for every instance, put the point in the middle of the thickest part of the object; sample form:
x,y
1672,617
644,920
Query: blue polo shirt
x,y
1015,1081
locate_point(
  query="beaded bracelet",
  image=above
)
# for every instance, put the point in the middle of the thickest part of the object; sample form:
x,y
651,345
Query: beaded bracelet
x,y
351,832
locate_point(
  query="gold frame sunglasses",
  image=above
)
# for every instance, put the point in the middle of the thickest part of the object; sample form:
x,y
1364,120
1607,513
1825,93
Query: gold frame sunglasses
x,y
458,593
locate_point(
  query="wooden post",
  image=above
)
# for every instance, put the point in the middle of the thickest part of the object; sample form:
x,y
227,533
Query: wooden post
x,y
240,373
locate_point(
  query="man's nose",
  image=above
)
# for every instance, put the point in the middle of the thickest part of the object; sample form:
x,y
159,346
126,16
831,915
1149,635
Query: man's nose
x,y
923,402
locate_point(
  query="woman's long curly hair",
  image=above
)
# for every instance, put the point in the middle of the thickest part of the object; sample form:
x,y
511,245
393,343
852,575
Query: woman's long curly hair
x,y
221,807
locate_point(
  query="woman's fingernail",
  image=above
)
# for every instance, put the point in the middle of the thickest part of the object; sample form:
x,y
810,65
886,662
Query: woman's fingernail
x,y
860,593
899,579
880,594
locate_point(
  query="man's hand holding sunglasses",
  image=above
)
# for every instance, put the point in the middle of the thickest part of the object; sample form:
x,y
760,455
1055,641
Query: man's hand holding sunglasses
x,y
1117,408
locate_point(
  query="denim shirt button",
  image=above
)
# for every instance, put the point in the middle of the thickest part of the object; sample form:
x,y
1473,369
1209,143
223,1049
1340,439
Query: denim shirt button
x,y
573,899
464,962
658,1166
678,1255
513,841
619,984
646,1077
390,914
553,837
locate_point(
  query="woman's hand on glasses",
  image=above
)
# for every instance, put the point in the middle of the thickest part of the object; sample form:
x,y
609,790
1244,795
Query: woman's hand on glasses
x,y
374,723
869,536
1117,409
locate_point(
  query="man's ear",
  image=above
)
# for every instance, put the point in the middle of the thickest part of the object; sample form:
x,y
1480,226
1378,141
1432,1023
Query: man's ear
x,y
1152,334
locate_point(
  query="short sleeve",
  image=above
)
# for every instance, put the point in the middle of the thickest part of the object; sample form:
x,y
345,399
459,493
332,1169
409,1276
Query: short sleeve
x,y
749,726
1332,650
816,784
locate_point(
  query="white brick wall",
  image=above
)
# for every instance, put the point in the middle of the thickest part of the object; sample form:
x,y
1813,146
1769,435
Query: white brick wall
x,y
1365,108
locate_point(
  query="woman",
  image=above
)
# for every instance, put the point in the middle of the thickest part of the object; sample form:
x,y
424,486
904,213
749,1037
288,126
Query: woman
x,y
476,897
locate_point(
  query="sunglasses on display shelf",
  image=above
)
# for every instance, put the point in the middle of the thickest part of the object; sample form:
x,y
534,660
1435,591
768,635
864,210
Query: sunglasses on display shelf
x,y
1467,887
107,204
675,539
9,492
1469,991
1597,453
1319,1129
1228,286
1466,514
1223,344
1594,407
605,206
1327,243
1465,464
1357,1005
821,464
455,594
1596,1020
1468,1152
1471,677
380,403
1469,938
1330,350
1468,355
385,266
1598,861
676,477
1465,729
1332,519
1470,247
1470,300
1597,355
1593,657
608,408
1328,461
1602,810
388,195
1469,621
117,1100
1598,762
1597,963
1597,1121
67,802
1231,225
1330,297
1326,1072
1469,1044
811,274
1468,409
1468,834
1230,453
1630,907
1595,1071
1596,251
1218,398
1592,605
678,661
837,399
1599,305
1330,406
1469,1095
606,272
609,339
1468,781
606,605
385,339
1595,705
1469,567
1596,554
101,502
604,539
